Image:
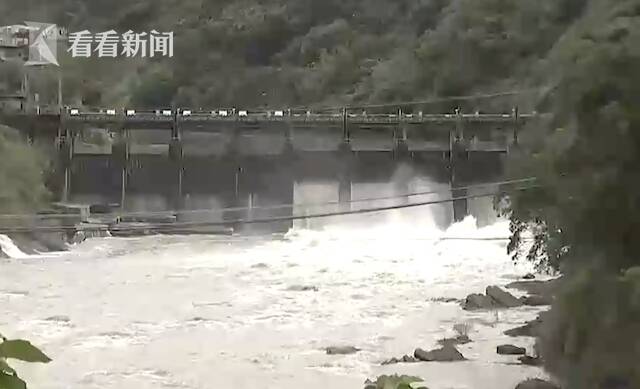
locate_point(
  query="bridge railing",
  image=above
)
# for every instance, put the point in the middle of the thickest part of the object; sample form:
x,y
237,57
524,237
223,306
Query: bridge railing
x,y
101,115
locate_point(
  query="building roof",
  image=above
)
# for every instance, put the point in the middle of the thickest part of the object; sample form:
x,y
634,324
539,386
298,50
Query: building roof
x,y
14,36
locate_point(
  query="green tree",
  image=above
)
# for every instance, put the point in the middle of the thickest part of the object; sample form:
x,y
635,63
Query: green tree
x,y
586,156
156,89
585,214
21,350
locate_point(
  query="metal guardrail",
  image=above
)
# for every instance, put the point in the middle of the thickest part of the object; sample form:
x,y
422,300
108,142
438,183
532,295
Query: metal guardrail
x,y
312,117
171,119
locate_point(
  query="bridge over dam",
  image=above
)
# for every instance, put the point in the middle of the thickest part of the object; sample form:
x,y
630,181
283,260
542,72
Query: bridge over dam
x,y
181,159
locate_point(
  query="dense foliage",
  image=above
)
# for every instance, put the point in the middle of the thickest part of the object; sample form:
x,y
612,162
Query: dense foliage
x,y
586,214
22,174
252,53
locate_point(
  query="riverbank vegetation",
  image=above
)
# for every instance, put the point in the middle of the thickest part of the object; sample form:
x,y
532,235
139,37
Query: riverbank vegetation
x,y
22,189
23,170
586,213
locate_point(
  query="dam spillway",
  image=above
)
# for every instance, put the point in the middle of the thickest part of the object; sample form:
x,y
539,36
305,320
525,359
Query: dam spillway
x,y
172,163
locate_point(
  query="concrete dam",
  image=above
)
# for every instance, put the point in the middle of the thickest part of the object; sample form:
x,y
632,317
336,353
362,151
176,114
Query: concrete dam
x,y
260,165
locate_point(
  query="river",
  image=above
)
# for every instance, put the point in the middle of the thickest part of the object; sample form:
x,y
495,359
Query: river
x,y
258,311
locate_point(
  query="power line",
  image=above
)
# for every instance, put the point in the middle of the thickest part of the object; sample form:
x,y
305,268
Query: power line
x,y
167,227
279,206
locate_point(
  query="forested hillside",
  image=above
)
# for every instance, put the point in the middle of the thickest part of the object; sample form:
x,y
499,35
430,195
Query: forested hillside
x,y
299,52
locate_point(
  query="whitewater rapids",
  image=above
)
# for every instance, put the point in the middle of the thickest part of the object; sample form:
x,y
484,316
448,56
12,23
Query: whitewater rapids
x,y
220,312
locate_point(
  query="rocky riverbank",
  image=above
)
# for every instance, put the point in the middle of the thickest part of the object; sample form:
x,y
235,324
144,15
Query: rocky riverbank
x,y
539,293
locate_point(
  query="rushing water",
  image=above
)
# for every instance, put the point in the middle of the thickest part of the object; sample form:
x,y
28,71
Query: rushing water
x,y
233,312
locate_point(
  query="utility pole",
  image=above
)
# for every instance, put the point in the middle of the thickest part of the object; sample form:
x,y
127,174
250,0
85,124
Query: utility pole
x,y
59,91
25,91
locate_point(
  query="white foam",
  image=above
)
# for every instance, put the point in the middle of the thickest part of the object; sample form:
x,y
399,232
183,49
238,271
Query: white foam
x,y
373,283
9,248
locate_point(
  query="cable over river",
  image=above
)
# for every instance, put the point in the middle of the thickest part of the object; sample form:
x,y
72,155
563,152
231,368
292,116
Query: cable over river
x,y
248,312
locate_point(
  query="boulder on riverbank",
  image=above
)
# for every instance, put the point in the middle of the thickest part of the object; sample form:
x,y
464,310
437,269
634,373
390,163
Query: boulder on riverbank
x,y
536,384
502,297
530,329
509,349
447,353
536,300
495,298
539,288
477,301
530,361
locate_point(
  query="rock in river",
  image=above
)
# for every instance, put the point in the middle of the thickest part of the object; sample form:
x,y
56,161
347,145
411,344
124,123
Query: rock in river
x,y
509,349
503,298
448,353
495,298
536,384
59,318
478,301
341,350
530,361
530,329
542,288
460,339
536,300
302,288
404,359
